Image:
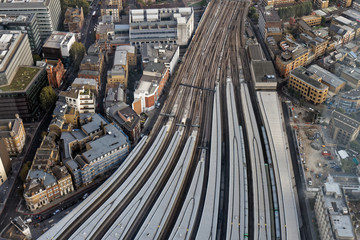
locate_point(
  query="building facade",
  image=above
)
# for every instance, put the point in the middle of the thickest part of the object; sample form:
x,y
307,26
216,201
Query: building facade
x,y
22,95
320,4
26,23
48,13
12,131
308,85
55,74
291,59
350,101
80,98
5,164
146,95
343,128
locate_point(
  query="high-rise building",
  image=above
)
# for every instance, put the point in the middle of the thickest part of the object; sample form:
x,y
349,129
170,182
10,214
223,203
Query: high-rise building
x,y
26,23
48,13
22,95
14,51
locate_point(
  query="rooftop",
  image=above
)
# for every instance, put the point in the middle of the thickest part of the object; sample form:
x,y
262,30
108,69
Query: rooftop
x,y
308,77
120,57
22,79
163,53
154,67
270,15
264,71
105,144
256,52
326,76
8,44
55,40
124,115
353,94
85,81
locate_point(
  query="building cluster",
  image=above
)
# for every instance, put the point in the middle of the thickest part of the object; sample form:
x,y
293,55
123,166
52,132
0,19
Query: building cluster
x,y
335,208
317,60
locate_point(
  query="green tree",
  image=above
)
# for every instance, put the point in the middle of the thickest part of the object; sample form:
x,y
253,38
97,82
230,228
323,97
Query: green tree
x,y
77,53
24,171
203,3
73,3
36,58
47,97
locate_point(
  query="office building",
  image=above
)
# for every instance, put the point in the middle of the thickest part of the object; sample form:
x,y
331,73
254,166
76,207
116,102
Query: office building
x,y
130,54
343,128
346,33
350,101
48,13
82,99
308,85
101,153
22,95
332,213
147,93
93,63
14,51
167,25
12,131
26,23
352,76
74,19
58,45
167,54
126,118
334,83
290,59
120,70
5,164
312,20
268,18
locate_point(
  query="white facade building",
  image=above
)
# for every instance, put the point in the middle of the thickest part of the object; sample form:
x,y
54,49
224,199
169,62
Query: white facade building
x,y
80,98
166,25
66,44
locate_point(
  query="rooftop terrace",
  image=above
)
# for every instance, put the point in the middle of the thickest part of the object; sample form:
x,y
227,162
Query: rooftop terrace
x,y
23,77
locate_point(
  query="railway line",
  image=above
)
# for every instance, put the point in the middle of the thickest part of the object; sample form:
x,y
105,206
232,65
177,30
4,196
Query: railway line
x,y
203,162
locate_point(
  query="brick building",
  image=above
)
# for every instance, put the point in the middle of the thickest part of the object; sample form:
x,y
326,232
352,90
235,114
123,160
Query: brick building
x,y
55,74
74,19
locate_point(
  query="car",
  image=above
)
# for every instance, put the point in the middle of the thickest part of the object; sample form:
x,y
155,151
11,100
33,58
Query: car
x,y
56,211
28,220
85,196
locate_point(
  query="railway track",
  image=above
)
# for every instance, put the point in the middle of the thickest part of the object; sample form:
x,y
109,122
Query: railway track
x,y
197,199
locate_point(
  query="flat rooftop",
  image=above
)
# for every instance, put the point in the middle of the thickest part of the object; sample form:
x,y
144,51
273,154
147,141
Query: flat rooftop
x,y
264,71
22,79
326,76
55,40
306,76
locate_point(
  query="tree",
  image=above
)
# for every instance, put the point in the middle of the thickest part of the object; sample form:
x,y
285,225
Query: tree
x,y
47,97
36,58
75,3
77,53
24,171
